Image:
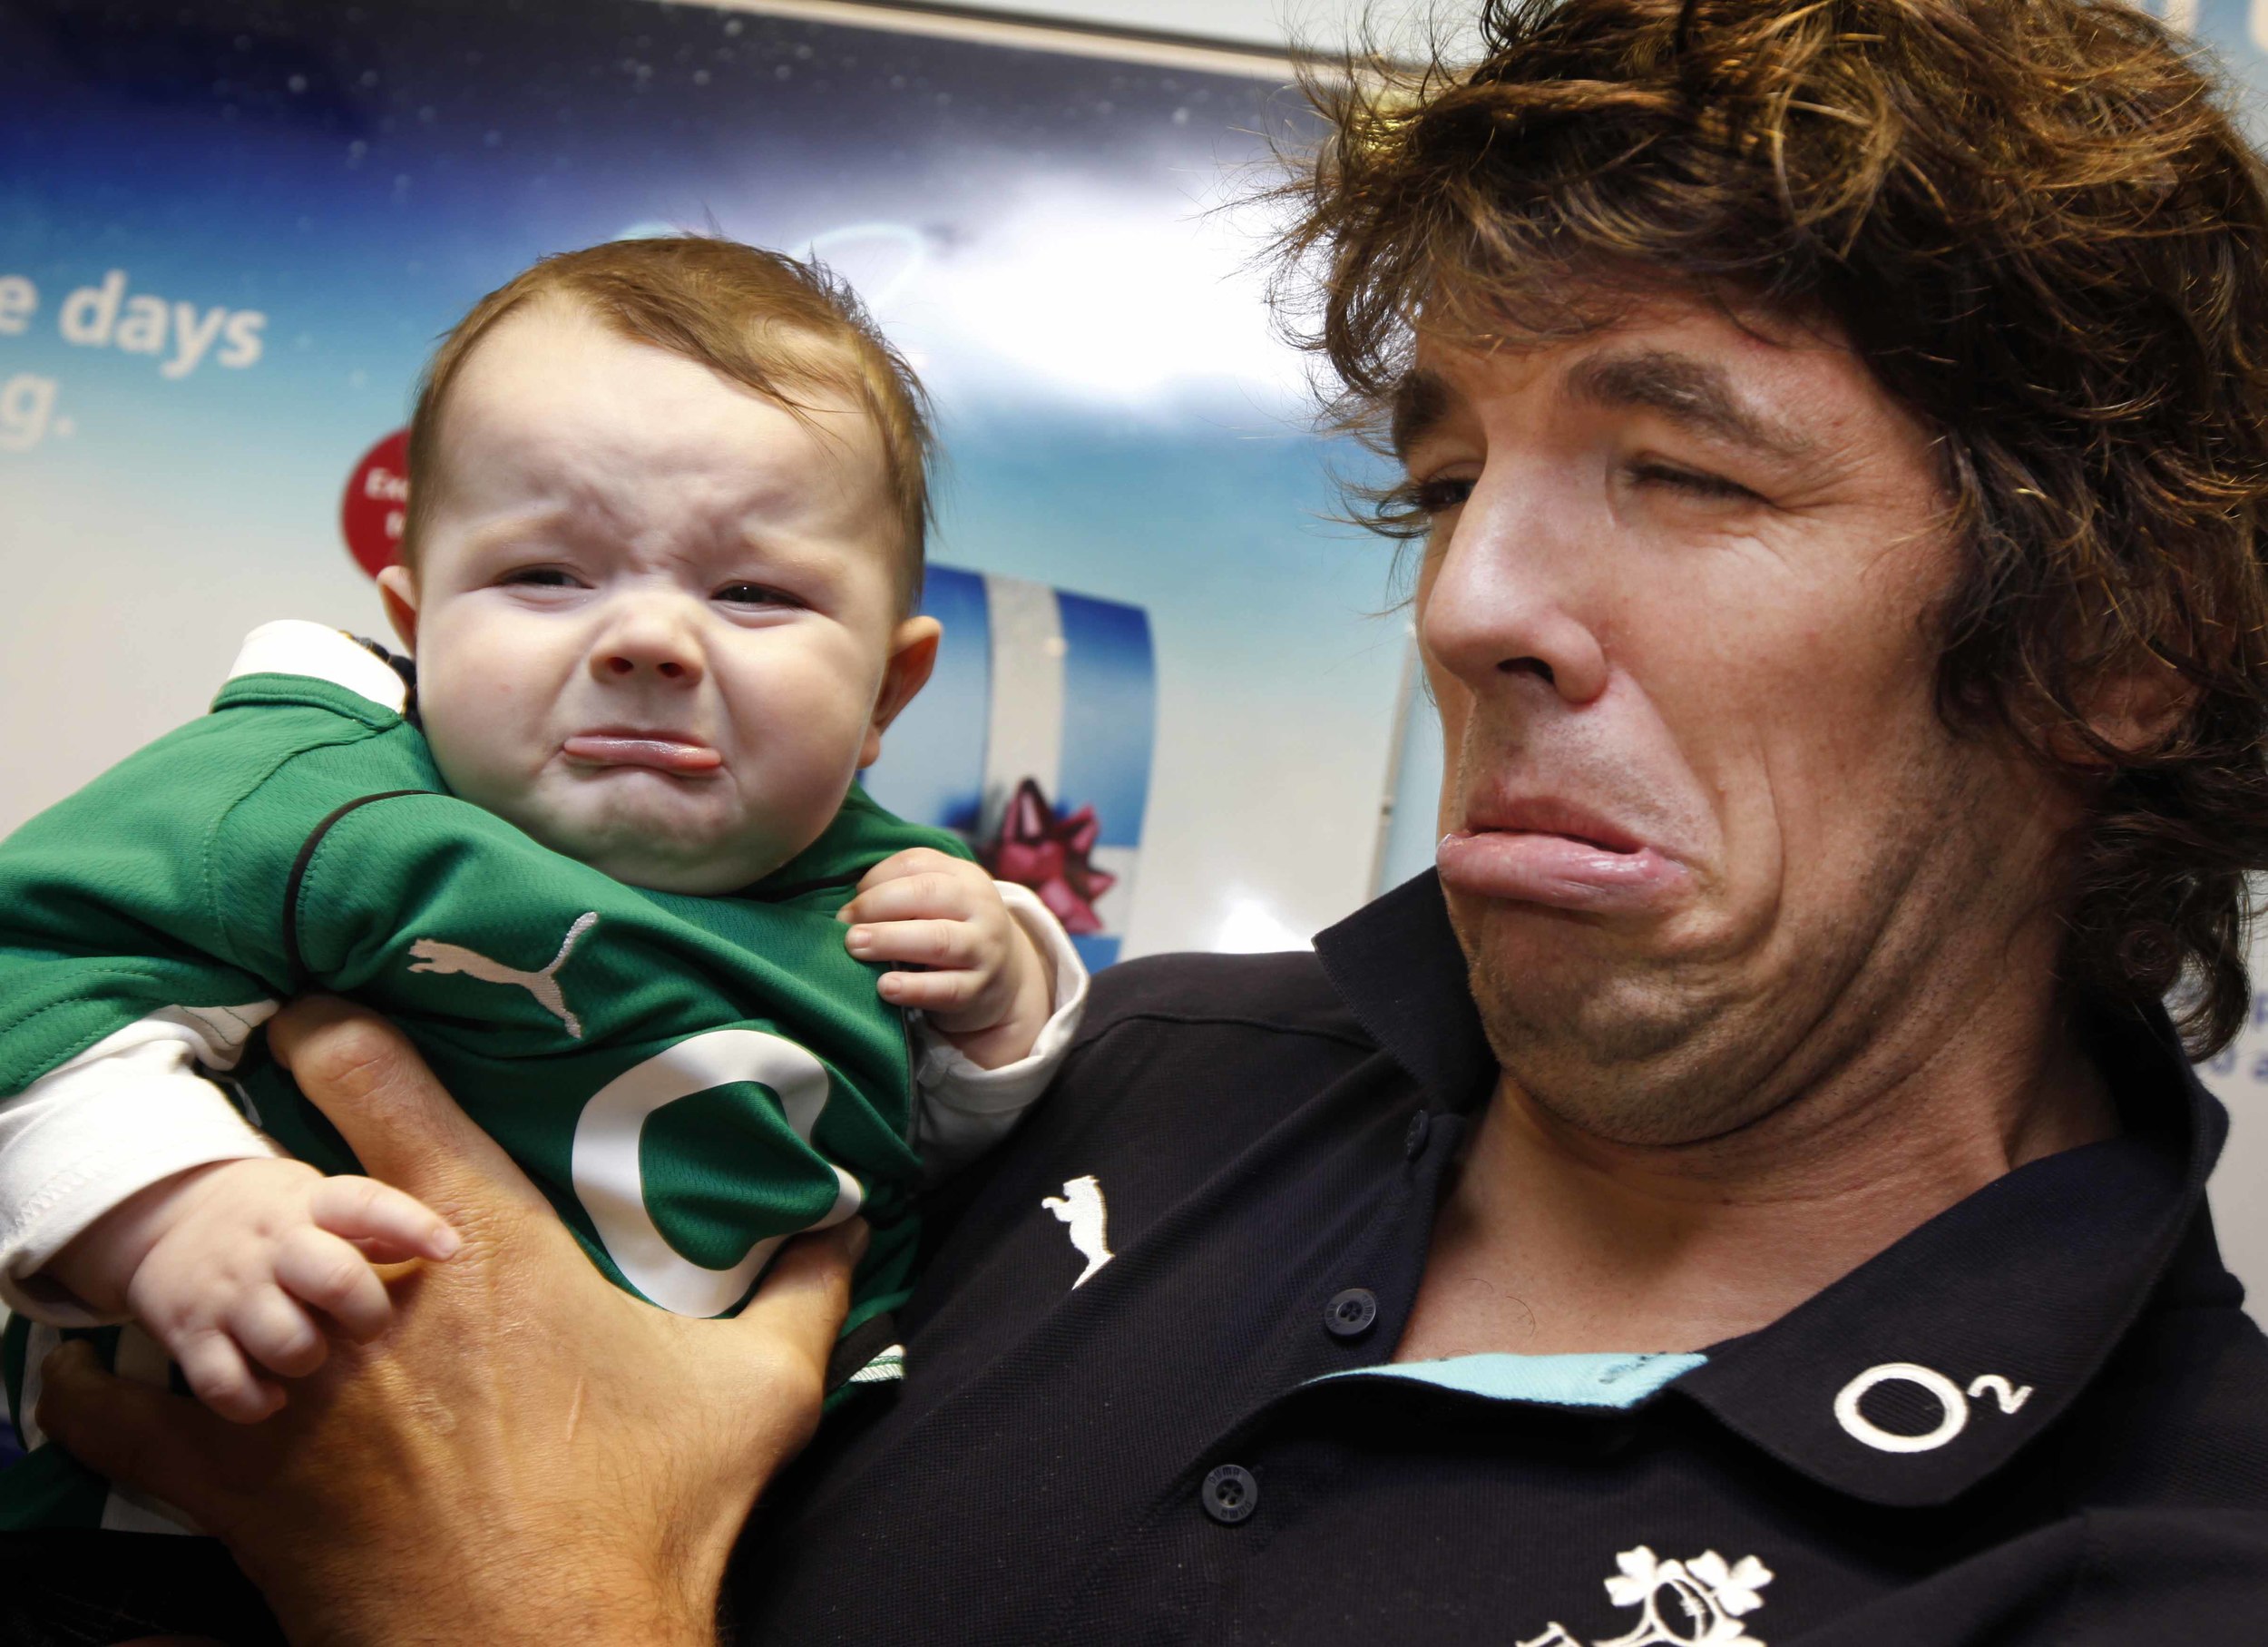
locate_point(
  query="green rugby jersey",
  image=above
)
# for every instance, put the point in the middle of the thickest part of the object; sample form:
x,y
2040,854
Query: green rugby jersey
x,y
689,1080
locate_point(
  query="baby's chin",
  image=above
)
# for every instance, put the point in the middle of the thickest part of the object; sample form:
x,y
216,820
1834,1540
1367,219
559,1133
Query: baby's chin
x,y
661,850
693,876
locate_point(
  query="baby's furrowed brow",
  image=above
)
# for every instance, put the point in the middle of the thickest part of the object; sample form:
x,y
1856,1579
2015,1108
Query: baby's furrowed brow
x,y
510,525
758,556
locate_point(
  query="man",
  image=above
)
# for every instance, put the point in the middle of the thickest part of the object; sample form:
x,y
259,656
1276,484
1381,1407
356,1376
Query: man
x,y
1754,1193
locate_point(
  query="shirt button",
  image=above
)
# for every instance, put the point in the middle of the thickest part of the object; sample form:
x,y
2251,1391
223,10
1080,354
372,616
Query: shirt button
x,y
1349,1314
1230,1495
1413,1141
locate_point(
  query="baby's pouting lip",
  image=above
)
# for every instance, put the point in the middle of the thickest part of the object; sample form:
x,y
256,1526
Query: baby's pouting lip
x,y
662,751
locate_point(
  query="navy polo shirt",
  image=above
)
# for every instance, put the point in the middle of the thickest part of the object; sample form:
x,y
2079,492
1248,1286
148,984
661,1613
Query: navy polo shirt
x,y
1150,1396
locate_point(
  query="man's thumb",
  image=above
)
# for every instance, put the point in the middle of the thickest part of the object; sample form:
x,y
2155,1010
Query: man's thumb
x,y
402,1126
132,1433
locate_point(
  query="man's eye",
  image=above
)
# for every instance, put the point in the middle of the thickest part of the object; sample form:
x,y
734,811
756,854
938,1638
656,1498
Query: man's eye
x,y
541,577
1440,496
754,594
1695,483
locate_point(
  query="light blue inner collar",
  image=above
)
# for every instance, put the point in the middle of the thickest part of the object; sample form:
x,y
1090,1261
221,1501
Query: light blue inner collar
x,y
1614,1380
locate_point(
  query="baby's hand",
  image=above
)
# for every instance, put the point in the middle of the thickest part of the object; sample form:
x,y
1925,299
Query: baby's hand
x,y
223,1263
987,987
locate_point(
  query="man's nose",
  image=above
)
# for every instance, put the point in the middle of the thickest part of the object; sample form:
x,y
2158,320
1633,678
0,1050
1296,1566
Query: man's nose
x,y
1507,601
649,642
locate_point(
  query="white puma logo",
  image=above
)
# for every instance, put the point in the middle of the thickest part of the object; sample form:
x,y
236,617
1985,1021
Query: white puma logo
x,y
1080,1206
432,956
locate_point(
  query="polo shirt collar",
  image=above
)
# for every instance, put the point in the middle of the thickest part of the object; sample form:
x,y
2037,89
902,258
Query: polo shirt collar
x,y
1396,965
1917,1374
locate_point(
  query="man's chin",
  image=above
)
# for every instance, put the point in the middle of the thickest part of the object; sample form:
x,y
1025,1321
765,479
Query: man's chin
x,y
1599,1031
1561,954
1578,1014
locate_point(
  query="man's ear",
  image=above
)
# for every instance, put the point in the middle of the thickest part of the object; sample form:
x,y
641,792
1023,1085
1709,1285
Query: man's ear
x,y
2139,706
397,587
912,655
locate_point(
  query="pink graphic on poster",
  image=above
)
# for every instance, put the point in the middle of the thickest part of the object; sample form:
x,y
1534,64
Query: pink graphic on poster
x,y
1052,855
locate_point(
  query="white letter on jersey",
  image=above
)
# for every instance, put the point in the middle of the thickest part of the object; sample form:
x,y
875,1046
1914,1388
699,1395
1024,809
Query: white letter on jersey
x,y
605,1168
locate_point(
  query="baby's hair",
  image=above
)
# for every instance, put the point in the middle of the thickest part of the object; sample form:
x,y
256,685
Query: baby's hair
x,y
781,327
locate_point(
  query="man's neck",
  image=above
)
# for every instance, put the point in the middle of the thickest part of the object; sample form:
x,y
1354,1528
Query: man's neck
x,y
1553,1240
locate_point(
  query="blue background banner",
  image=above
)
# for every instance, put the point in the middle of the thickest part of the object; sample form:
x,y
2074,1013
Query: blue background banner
x,y
232,230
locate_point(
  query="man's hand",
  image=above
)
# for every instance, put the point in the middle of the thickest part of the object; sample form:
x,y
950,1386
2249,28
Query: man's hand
x,y
530,1455
986,986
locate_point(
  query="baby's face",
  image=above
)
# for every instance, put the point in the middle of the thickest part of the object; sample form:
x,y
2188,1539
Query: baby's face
x,y
654,612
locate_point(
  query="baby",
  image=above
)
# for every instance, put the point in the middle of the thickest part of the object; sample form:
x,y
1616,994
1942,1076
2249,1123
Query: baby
x,y
658,576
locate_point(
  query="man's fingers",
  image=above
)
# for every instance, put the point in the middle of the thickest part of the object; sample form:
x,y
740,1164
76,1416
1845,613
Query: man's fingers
x,y
144,1436
800,1307
365,1076
395,1225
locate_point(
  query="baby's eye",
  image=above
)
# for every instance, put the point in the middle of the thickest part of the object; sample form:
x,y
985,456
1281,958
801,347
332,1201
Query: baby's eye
x,y
541,577
754,594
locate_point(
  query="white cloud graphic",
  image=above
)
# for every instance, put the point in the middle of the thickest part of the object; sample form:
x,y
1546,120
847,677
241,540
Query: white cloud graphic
x,y
1081,295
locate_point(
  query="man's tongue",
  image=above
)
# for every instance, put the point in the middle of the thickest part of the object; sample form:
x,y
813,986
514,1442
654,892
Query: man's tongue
x,y
664,754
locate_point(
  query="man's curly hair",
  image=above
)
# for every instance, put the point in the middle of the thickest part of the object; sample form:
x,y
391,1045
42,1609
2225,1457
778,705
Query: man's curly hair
x,y
2038,224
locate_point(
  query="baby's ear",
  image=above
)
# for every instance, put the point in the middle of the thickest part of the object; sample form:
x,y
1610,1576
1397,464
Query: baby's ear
x,y
912,655
397,587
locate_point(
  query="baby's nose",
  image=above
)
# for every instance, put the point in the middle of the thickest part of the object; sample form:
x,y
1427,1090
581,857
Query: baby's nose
x,y
654,649
668,669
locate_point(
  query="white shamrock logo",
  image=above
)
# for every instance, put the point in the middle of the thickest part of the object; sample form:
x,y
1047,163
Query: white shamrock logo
x,y
1707,1598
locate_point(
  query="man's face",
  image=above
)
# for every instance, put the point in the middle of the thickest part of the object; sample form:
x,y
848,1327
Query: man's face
x,y
654,612
1703,828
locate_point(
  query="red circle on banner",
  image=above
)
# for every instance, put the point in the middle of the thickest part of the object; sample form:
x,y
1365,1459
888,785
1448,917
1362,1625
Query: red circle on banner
x,y
376,503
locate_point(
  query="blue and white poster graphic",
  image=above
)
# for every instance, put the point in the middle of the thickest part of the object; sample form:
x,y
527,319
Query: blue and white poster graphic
x,y
1034,739
231,232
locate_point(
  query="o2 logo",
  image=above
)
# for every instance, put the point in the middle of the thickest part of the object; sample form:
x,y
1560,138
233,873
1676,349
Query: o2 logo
x,y
605,1171
1952,1400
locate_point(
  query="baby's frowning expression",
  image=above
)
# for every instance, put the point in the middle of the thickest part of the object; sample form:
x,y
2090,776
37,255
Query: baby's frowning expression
x,y
655,614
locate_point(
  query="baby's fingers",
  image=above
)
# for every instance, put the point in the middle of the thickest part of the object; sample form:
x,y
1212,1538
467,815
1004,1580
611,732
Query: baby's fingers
x,y
320,1269
272,1330
389,1225
219,1376
924,943
932,992
931,893
912,861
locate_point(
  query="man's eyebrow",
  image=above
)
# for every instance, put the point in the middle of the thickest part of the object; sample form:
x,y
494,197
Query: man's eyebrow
x,y
1697,394
1420,401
